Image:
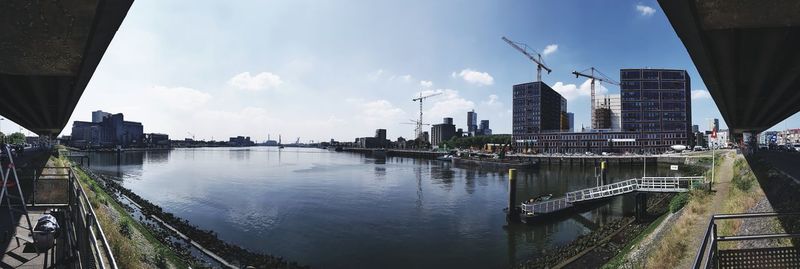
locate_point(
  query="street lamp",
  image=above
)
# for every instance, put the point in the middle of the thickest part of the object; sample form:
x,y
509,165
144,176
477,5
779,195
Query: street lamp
x,y
1,129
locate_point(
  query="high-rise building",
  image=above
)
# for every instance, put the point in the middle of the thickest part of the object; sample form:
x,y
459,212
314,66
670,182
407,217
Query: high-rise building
x,y
713,124
97,116
472,122
657,104
112,130
571,121
484,128
536,108
695,128
442,132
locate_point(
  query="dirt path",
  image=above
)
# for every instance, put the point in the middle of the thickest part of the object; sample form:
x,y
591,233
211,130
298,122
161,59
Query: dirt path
x,y
723,178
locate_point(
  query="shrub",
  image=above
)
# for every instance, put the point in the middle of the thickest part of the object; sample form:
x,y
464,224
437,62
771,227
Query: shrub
x,y
743,183
678,202
125,228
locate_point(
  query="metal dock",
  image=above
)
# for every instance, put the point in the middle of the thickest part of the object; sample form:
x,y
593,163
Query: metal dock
x,y
644,184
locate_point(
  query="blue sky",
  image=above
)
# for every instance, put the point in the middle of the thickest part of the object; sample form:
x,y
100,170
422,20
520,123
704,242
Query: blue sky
x,y
340,69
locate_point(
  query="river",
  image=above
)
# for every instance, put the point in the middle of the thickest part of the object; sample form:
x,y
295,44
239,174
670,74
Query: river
x,y
347,210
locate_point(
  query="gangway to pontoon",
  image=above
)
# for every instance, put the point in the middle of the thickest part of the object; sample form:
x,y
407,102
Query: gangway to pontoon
x,y
644,184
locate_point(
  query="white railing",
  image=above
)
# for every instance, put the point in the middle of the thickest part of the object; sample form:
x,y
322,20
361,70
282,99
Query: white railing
x,y
645,184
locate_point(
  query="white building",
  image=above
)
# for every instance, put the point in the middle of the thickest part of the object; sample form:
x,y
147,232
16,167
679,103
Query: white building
x,y
613,102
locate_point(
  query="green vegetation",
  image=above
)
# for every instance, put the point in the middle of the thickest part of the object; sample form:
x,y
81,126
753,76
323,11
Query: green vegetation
x,y
741,197
619,260
14,138
477,141
678,201
133,245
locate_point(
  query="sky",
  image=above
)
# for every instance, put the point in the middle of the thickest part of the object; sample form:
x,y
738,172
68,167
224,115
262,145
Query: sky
x,y
341,69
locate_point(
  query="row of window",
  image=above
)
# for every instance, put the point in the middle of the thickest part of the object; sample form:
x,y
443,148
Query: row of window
x,y
652,85
633,95
651,74
651,106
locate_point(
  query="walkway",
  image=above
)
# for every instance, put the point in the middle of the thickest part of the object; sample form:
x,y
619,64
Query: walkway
x,y
721,187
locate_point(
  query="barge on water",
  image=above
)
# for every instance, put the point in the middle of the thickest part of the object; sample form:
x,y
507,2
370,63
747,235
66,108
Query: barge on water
x,y
492,163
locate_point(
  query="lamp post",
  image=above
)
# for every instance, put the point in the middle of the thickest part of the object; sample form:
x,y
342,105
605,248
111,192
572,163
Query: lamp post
x,y
1,129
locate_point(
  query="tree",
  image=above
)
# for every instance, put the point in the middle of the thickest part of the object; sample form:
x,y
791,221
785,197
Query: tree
x,y
16,138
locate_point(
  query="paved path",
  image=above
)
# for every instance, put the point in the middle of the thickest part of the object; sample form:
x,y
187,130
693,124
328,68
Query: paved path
x,y
723,178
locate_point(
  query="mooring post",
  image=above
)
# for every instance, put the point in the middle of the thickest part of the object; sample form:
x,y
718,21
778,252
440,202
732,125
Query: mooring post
x,y
603,173
512,190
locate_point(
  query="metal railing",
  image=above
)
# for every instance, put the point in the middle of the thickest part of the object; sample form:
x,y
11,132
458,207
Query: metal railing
x,y
84,237
708,255
645,184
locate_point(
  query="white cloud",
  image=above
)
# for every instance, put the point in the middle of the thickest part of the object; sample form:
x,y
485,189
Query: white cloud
x,y
426,83
493,100
406,78
376,75
178,97
263,80
645,10
476,77
377,111
700,95
549,49
572,91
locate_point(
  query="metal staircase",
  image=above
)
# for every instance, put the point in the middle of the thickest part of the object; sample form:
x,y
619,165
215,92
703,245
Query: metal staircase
x,y
645,184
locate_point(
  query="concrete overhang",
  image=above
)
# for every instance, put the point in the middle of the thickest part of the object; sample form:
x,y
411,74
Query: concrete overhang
x,y
48,52
747,53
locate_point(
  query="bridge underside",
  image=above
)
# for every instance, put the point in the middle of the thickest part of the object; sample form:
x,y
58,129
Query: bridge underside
x,y
747,53
48,52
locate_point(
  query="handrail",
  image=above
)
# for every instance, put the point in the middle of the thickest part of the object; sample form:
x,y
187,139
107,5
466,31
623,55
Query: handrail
x,y
710,236
93,222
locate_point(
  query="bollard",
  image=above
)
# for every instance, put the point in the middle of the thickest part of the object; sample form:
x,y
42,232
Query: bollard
x,y
603,173
512,190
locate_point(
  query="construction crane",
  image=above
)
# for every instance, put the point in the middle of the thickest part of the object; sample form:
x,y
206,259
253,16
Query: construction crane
x,y
538,59
419,123
601,78
190,134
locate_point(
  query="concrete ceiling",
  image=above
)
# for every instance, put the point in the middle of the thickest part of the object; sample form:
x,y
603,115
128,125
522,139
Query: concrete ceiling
x,y
49,50
747,53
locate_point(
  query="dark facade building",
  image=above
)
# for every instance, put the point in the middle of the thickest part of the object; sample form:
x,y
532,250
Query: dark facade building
x,y
111,131
377,141
484,128
442,132
657,104
472,123
656,114
153,140
537,108
240,141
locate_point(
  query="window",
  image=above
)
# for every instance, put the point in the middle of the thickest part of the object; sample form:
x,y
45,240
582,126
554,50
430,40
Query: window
x,y
650,106
648,74
631,85
650,85
672,84
628,95
651,116
650,95
631,74
673,95
674,106
672,75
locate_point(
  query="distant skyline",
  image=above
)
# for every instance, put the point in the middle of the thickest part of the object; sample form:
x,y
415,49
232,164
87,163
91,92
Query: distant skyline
x,y
320,70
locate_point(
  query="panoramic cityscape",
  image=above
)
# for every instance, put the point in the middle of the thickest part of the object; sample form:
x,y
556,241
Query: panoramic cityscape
x,y
307,134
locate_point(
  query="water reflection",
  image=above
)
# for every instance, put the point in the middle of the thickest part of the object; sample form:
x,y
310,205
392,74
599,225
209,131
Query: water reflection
x,y
381,210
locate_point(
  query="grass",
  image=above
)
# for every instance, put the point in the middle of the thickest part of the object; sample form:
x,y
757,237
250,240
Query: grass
x,y
673,246
134,246
620,258
741,197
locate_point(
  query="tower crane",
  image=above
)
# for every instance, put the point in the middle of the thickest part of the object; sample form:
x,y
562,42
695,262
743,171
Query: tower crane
x,y
601,78
538,59
190,134
419,123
